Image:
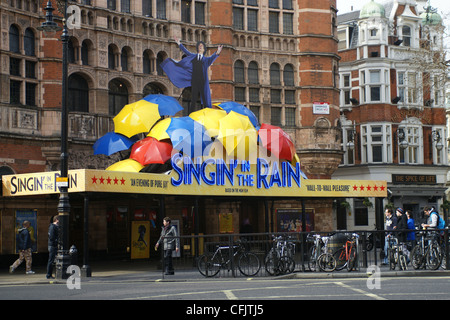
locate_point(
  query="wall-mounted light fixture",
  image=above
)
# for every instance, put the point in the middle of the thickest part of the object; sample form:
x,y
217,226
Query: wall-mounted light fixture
x,y
402,140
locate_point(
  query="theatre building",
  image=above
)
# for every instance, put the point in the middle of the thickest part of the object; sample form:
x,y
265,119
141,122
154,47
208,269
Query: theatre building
x,y
279,59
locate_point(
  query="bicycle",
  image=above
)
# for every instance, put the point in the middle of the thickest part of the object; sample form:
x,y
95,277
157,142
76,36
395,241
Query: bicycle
x,y
396,254
279,260
319,255
427,256
248,263
347,255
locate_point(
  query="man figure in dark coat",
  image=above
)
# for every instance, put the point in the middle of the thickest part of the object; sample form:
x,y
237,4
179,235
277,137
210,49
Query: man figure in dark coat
x,y
192,71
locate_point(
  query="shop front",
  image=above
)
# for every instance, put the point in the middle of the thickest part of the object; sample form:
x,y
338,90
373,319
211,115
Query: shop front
x,y
120,213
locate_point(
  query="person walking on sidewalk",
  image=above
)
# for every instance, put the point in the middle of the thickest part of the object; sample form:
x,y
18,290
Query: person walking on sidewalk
x,y
169,244
24,247
53,233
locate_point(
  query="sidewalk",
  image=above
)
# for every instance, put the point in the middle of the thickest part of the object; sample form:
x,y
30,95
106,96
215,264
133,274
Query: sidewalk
x,y
142,271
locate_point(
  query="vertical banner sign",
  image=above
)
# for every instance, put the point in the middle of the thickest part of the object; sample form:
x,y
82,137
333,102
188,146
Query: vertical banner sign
x,y
31,216
140,239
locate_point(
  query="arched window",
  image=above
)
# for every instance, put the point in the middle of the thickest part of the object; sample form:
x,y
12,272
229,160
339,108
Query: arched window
x,y
111,58
159,60
253,73
78,94
14,39
85,53
124,59
275,74
151,88
71,55
147,62
118,96
239,72
288,75
28,42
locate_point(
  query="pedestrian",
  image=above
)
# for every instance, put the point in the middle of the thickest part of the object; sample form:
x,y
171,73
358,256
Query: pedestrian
x,y
24,247
389,224
411,237
169,237
192,71
53,234
401,224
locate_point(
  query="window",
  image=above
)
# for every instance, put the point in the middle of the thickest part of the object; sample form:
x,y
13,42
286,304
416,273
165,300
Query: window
x,y
254,94
125,6
30,69
161,9
361,213
275,74
14,66
159,59
238,18
255,110
288,75
406,36
28,42
124,59
239,94
275,116
289,96
253,73
85,53
186,11
346,88
30,94
118,96
273,22
14,44
289,116
147,63
78,94
288,26
111,58
239,72
376,143
287,4
375,86
412,87
147,8
200,13
111,4
252,20
275,96
14,91
273,4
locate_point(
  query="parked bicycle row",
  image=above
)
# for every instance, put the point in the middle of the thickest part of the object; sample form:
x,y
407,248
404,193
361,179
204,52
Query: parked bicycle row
x,y
271,254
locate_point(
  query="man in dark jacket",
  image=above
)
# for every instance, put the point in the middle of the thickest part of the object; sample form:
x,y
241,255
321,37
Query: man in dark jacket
x,y
402,224
24,247
53,233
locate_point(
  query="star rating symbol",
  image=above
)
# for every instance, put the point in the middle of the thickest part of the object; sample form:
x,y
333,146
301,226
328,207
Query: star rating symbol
x,y
108,179
368,188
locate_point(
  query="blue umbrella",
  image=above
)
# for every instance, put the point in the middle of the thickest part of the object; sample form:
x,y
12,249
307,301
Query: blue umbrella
x,y
167,106
241,109
112,142
188,136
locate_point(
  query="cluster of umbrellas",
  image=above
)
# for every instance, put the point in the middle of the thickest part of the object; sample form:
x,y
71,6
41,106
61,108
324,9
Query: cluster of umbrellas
x,y
227,130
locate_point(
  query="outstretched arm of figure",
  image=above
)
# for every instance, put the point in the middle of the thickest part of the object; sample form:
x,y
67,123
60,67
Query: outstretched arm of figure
x,y
219,49
182,48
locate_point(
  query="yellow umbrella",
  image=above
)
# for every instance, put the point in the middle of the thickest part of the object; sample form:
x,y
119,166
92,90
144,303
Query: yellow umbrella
x,y
209,118
238,135
159,129
136,117
127,165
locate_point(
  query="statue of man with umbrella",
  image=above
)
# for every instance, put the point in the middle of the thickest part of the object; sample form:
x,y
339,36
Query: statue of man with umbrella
x,y
192,71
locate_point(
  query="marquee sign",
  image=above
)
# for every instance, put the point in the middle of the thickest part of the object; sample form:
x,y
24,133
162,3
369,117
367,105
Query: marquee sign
x,y
212,177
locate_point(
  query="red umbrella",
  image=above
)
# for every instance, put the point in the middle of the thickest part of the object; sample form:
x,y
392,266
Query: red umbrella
x,y
277,141
150,150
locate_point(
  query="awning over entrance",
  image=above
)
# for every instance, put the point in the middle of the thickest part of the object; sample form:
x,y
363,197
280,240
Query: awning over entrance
x,y
211,177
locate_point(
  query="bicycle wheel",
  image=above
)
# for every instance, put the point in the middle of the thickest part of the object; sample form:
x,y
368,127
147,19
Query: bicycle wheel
x,y
351,263
402,262
416,257
289,264
249,264
341,261
274,265
433,257
312,265
392,259
326,262
208,265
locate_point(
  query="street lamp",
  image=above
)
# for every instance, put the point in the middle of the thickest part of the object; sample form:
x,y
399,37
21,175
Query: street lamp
x,y
436,137
62,257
